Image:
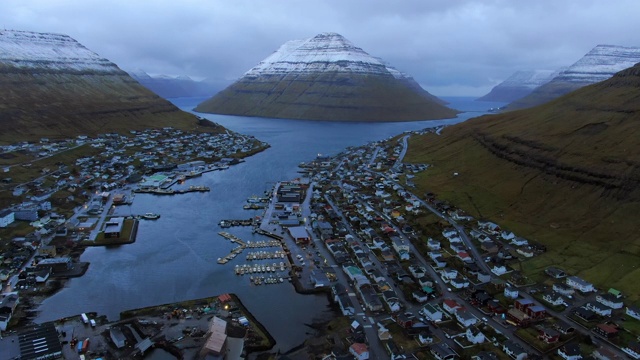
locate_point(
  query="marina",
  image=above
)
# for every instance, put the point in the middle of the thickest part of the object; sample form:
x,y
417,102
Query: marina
x,y
252,245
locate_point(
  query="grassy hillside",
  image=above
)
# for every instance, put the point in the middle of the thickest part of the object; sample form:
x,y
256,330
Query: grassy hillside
x,y
566,174
63,105
328,96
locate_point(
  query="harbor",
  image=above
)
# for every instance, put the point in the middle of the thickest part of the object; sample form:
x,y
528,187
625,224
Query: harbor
x,y
167,191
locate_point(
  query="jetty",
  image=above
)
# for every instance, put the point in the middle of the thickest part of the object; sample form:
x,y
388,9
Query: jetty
x,y
252,245
246,222
161,191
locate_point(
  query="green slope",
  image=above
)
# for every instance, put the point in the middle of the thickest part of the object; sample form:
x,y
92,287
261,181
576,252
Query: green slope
x,y
566,174
328,96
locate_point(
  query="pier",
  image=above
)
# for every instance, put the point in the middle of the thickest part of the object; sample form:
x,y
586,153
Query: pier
x,y
160,191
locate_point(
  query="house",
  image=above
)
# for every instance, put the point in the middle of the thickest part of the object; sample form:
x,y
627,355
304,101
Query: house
x,y
548,335
605,330
570,351
117,337
580,284
459,283
610,301
563,289
514,350
603,353
633,349
442,351
598,308
430,312
554,272
537,312
433,244
465,318
359,350
401,248
526,251
425,337
563,327
464,256
485,355
383,332
6,217
499,270
511,292
474,336
633,311
451,306
449,273
507,235
8,303
584,314
42,275
554,298
518,241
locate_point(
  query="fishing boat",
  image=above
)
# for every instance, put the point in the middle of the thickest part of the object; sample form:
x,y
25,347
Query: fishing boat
x,y
151,216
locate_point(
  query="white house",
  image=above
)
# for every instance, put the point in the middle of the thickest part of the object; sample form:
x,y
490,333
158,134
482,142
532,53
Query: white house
x,y
514,350
430,312
507,235
563,289
633,311
610,301
518,241
570,352
633,350
554,298
433,244
580,284
6,217
449,273
449,233
475,336
499,270
401,248
511,292
465,318
598,308
459,283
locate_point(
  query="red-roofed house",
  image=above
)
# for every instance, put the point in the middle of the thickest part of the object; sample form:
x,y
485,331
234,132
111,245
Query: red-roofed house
x,y
359,350
451,306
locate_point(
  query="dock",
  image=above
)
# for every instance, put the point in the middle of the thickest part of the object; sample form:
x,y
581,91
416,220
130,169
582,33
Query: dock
x,y
160,191
243,245
246,222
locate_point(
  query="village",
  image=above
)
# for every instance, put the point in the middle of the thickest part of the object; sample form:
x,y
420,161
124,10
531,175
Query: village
x,y
57,197
412,276
416,277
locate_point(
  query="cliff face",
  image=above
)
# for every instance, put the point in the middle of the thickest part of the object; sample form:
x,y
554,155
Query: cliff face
x,y
326,78
52,86
599,64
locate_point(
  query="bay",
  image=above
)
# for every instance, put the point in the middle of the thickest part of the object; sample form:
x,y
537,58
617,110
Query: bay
x,y
174,257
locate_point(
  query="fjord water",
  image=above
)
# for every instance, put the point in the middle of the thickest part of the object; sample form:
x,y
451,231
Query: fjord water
x,y
174,257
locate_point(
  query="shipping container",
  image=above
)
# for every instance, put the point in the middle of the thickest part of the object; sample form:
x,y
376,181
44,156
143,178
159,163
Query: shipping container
x,y
85,318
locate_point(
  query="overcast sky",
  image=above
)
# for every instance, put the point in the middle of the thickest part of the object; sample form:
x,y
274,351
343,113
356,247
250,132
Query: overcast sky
x,y
451,47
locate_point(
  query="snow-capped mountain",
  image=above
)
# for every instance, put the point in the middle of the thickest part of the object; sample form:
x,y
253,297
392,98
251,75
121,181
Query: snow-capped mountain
x,y
326,77
321,53
52,86
30,50
169,86
599,64
519,84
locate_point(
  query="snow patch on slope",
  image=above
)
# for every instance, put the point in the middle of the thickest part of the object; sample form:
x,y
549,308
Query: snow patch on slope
x,y
321,53
31,50
601,63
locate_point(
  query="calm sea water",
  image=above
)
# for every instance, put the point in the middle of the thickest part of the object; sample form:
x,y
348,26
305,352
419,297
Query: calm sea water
x,y
174,257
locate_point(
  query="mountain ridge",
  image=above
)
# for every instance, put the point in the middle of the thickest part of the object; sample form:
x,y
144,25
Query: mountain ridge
x,y
326,78
52,86
599,64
